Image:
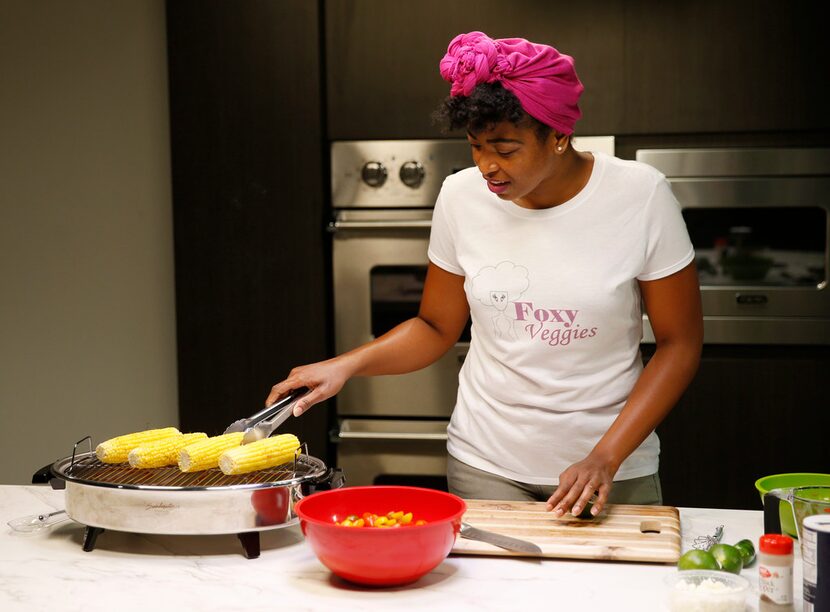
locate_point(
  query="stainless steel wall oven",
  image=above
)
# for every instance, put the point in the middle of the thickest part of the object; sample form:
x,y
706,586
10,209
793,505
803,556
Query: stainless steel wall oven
x,y
759,220
391,429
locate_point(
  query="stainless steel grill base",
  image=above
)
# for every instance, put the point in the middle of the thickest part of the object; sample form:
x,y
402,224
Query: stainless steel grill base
x,y
168,501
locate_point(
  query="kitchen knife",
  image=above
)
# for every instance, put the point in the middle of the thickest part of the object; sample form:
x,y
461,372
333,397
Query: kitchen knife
x,y
496,539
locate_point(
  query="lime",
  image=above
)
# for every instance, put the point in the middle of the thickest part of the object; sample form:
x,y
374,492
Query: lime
x,y
697,559
728,557
747,550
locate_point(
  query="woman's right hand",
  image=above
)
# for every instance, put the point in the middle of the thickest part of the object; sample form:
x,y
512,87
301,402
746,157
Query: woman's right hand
x,y
324,379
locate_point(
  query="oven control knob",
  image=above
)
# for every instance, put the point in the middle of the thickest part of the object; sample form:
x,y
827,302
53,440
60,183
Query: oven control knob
x,y
373,174
412,174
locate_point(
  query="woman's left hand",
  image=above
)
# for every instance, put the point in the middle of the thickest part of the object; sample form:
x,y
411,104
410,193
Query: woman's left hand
x,y
577,485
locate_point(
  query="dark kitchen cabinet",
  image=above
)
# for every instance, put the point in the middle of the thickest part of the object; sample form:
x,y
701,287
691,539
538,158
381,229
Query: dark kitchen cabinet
x,y
710,66
648,66
751,411
382,58
248,190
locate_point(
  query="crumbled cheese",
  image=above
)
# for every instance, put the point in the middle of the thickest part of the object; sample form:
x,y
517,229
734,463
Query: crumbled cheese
x,y
707,596
707,585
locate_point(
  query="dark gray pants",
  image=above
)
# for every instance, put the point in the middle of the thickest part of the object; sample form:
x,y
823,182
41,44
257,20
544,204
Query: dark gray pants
x,y
471,483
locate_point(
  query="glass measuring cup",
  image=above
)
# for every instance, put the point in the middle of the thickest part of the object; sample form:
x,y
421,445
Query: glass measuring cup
x,y
804,501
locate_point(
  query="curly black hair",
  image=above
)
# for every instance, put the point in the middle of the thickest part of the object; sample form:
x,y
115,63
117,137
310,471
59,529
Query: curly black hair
x,y
488,104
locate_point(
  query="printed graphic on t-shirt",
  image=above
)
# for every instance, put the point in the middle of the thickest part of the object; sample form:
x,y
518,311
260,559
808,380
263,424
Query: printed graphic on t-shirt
x,y
500,287
553,326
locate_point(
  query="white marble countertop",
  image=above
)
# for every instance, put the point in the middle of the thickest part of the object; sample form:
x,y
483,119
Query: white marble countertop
x,y
128,571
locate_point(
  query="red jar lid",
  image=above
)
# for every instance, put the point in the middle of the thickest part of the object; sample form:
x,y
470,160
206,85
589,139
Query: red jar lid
x,y
775,544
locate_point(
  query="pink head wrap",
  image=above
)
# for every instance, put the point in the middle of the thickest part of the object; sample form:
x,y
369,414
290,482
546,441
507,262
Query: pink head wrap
x,y
543,79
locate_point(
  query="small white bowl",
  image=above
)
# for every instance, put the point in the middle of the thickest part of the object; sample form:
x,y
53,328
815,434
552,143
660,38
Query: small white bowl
x,y
706,591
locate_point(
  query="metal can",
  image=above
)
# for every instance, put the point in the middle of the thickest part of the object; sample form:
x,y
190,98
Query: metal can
x,y
815,553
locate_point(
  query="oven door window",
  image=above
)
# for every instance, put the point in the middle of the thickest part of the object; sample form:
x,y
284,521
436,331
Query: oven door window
x,y
396,296
770,246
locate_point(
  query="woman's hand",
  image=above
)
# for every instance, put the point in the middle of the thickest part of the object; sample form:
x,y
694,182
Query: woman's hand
x,y
674,311
579,482
324,379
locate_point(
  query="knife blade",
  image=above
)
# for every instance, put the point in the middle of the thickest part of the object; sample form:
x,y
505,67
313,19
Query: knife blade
x,y
497,539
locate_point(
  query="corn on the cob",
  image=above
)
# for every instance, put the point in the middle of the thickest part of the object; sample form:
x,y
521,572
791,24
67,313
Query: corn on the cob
x,y
259,455
204,454
162,452
116,450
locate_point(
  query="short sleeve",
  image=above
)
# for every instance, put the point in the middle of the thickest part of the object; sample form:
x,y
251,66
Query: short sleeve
x,y
668,247
442,247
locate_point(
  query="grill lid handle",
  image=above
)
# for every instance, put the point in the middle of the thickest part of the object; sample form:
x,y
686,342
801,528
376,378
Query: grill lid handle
x,y
45,475
332,479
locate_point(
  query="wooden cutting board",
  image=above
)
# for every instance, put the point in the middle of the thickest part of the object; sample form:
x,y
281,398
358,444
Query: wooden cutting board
x,y
620,533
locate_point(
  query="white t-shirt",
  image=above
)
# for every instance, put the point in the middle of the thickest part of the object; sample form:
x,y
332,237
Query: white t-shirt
x,y
556,314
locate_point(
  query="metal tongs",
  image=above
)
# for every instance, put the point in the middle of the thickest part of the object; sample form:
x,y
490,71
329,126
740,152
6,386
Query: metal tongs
x,y
266,421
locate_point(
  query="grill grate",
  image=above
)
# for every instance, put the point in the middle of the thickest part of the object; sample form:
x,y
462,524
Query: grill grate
x,y
91,470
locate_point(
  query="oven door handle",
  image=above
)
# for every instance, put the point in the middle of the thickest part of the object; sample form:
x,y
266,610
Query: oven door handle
x,y
336,226
359,429
402,435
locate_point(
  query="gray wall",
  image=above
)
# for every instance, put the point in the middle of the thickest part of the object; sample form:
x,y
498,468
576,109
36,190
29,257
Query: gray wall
x,y
87,324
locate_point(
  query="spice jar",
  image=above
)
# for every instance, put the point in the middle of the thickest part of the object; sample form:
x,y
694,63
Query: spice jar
x,y
775,572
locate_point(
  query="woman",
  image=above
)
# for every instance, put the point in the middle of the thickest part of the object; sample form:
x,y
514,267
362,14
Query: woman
x,y
551,252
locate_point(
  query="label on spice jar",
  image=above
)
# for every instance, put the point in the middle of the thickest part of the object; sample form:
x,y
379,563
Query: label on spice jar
x,y
776,583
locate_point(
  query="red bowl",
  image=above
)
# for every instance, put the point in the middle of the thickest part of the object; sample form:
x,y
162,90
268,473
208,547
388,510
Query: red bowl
x,y
376,556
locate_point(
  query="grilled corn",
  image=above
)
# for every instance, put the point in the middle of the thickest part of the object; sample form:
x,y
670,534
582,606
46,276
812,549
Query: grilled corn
x,y
116,450
204,454
259,455
162,452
